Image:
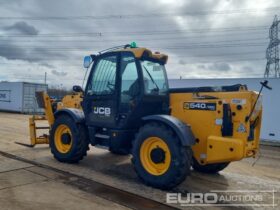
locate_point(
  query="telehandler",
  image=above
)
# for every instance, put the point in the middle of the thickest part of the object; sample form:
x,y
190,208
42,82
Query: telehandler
x,y
128,108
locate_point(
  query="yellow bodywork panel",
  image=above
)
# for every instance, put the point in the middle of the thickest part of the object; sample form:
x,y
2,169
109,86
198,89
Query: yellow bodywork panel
x,y
206,124
71,101
225,149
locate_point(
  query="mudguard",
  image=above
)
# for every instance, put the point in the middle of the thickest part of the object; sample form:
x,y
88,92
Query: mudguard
x,y
183,131
77,114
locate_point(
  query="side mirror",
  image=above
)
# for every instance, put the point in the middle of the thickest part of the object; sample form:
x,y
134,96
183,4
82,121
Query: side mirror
x,y
77,88
87,61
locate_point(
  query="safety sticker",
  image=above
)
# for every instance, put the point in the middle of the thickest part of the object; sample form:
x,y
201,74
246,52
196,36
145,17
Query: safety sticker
x,y
238,101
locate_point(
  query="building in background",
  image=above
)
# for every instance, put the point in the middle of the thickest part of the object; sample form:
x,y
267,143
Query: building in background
x,y
20,96
271,99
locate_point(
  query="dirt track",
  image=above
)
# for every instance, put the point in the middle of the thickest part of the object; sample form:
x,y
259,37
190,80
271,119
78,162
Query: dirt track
x,y
104,167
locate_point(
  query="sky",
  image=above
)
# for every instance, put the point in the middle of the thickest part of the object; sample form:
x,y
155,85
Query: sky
x,y
203,39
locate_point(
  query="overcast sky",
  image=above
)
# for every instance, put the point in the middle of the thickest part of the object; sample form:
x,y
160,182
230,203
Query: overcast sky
x,y
204,39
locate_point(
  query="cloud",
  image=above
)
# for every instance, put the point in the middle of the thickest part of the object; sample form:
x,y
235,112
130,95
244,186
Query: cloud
x,y
220,67
22,27
59,73
11,51
199,44
247,68
182,62
47,65
201,66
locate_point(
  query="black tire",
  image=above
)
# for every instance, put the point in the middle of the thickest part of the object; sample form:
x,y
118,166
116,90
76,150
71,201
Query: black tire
x,y
209,168
80,143
180,163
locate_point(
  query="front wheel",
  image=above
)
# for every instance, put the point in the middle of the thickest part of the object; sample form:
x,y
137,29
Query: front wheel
x,y
68,140
209,168
159,158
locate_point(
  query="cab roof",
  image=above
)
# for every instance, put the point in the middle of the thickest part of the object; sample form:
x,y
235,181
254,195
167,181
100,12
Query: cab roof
x,y
140,52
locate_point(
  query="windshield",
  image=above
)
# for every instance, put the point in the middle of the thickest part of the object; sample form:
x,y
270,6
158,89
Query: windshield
x,y
155,80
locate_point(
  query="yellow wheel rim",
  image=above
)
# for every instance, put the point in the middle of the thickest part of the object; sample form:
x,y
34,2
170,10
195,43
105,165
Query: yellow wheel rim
x,y
155,156
63,138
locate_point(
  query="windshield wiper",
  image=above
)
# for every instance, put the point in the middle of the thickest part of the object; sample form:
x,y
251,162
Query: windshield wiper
x,y
157,88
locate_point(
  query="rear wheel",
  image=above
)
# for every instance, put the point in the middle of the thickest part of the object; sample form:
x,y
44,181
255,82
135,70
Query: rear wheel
x,y
159,158
68,140
209,168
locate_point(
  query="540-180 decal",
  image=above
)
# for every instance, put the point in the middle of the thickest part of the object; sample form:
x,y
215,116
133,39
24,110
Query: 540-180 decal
x,y
200,106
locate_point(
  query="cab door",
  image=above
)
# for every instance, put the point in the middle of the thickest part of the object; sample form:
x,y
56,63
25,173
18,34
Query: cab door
x,y
131,92
101,95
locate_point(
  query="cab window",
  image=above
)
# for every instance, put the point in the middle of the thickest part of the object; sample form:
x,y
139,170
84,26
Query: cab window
x,y
130,83
103,79
155,80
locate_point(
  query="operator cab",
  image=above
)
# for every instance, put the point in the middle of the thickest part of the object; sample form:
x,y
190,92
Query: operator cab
x,y
124,85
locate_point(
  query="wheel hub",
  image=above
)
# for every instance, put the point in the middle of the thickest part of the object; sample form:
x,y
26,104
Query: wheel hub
x,y
155,155
63,138
158,155
66,138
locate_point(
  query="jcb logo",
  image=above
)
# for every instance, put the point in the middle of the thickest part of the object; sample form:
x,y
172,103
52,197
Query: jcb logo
x,y
102,110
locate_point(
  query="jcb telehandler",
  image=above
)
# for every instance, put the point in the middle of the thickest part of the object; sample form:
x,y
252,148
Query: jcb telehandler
x,y
128,108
